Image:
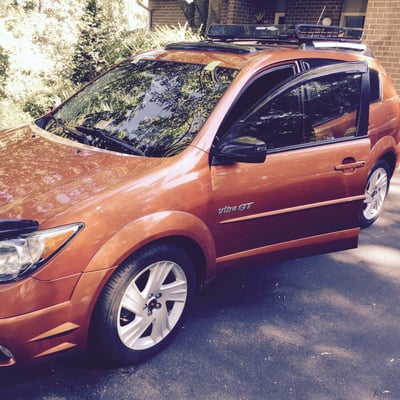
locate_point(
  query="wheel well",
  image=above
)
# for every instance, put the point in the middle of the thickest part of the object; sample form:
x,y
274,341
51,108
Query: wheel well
x,y
193,250
195,253
390,158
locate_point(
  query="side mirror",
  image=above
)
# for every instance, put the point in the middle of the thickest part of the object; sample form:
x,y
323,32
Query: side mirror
x,y
245,149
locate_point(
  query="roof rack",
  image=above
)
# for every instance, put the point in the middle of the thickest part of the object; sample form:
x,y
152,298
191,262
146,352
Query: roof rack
x,y
214,46
306,32
232,32
291,34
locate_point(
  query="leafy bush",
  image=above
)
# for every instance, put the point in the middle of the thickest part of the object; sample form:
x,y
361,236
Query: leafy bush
x,y
49,56
142,40
4,68
89,57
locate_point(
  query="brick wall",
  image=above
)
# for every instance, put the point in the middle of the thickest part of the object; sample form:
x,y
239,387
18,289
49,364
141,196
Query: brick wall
x,y
240,11
224,17
166,12
309,11
382,34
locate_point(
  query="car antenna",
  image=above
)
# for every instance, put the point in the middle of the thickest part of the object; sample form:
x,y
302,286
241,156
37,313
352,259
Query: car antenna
x,y
322,13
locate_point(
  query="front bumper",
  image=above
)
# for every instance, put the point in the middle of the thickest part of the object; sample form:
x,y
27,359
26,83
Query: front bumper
x,y
50,330
41,333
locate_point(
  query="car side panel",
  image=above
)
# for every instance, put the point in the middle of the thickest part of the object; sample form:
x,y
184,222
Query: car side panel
x,y
293,195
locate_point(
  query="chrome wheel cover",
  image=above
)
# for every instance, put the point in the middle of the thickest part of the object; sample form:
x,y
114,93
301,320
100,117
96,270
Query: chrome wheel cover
x,y
375,193
152,305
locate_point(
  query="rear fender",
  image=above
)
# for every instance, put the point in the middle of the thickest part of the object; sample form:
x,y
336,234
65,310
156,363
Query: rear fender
x,y
384,146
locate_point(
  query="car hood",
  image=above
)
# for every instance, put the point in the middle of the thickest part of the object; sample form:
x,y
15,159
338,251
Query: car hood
x,y
41,175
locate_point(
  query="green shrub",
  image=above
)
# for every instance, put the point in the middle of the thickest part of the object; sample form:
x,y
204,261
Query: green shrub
x,y
27,92
142,40
4,68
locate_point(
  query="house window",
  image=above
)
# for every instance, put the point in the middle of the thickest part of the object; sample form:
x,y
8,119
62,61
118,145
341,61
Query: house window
x,y
353,13
279,18
353,20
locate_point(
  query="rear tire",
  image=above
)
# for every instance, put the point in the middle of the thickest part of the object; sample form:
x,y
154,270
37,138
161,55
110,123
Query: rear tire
x,y
376,191
143,305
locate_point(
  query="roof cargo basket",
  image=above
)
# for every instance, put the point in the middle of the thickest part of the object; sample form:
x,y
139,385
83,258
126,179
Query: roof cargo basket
x,y
302,33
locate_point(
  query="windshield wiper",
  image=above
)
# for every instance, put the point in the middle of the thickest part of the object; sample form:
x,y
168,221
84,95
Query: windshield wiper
x,y
71,132
82,133
111,139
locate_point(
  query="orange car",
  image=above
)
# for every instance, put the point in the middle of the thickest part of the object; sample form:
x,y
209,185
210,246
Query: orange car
x,y
119,205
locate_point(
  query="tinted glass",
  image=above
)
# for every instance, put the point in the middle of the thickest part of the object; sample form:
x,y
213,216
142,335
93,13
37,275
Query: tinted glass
x,y
332,96
148,108
258,89
374,86
331,105
320,109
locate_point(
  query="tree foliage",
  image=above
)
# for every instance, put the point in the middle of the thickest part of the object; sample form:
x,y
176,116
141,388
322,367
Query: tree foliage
x,y
89,56
101,40
4,68
43,42
37,40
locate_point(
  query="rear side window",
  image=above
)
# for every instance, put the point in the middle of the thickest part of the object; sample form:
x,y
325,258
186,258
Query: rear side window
x,y
374,86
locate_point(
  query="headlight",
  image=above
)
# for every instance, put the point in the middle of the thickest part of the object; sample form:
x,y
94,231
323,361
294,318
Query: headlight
x,y
25,253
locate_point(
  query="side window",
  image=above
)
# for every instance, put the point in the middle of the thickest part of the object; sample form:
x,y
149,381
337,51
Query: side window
x,y
332,104
374,86
323,108
280,122
257,90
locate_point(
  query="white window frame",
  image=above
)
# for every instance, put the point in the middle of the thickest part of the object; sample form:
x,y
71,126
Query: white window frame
x,y
350,14
277,16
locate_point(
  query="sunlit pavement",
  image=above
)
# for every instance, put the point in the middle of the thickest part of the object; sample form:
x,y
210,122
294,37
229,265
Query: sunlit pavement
x,y
325,327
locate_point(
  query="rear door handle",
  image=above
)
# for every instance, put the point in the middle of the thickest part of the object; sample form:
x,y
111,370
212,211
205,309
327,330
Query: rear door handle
x,y
349,165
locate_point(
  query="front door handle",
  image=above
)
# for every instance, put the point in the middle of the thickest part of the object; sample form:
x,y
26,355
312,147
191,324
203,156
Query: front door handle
x,y
349,165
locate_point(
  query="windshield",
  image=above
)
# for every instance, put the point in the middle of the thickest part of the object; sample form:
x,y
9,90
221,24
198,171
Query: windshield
x,y
149,108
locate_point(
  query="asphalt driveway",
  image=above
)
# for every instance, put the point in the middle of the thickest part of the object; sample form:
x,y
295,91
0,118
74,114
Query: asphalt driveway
x,y
324,327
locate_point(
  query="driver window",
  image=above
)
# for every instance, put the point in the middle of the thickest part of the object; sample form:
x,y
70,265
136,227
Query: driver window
x,y
257,90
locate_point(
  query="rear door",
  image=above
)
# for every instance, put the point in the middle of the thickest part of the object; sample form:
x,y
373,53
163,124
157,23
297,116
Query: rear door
x,y
309,192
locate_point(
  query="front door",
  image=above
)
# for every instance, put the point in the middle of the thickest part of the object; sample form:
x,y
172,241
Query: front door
x,y
309,192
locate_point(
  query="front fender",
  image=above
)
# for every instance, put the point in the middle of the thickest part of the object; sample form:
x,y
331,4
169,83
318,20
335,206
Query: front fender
x,y
150,228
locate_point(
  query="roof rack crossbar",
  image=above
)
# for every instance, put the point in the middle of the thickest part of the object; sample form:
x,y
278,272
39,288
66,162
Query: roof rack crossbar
x,y
228,32
213,46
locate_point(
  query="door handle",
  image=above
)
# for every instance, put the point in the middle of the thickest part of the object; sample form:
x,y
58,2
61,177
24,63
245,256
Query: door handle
x,y
349,165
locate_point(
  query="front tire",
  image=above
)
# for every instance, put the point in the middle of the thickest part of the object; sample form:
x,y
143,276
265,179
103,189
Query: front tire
x,y
376,191
143,305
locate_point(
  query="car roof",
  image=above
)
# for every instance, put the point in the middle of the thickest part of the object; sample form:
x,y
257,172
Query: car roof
x,y
234,46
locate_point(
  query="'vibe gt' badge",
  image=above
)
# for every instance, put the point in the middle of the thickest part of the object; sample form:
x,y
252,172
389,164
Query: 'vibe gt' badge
x,y
240,207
